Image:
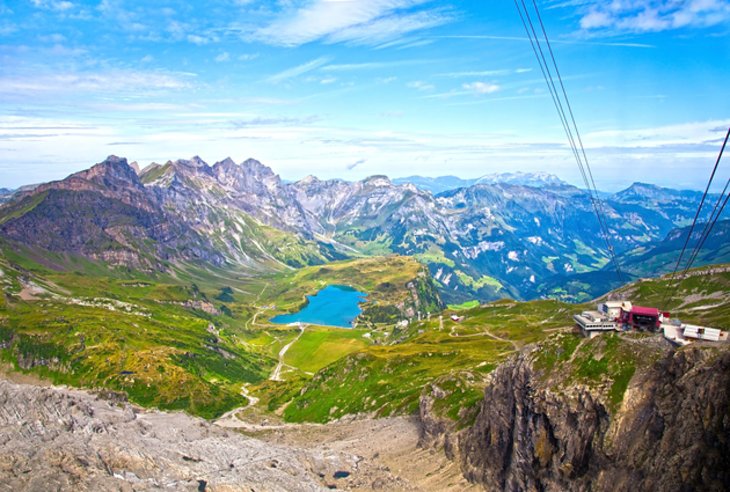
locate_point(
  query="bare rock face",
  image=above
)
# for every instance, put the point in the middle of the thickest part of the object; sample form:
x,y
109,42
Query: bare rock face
x,y
530,439
671,432
59,439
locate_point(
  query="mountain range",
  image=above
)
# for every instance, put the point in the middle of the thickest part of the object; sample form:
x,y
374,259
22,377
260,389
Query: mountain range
x,y
445,183
517,235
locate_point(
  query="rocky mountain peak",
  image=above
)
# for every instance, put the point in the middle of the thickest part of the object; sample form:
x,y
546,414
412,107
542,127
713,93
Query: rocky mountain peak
x,y
535,180
377,180
135,165
309,180
227,162
194,162
640,188
254,167
643,192
197,161
112,172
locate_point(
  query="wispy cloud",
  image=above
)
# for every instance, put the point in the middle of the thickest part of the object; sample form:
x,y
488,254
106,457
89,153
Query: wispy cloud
x,y
299,70
481,87
420,85
110,82
692,133
618,44
198,39
369,22
57,5
654,15
353,165
484,73
247,56
349,67
273,121
405,43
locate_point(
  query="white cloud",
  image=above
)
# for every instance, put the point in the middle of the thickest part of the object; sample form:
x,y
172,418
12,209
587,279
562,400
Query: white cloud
x,y
52,38
57,5
481,87
197,39
6,29
357,21
654,15
692,133
299,69
116,81
525,39
420,85
223,57
485,73
349,67
295,147
61,50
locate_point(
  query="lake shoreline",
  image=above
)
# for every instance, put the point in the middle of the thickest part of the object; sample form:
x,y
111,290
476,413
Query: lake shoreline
x,y
336,306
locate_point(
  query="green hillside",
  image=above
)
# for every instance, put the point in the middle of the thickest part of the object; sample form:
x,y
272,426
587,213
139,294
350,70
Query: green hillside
x,y
186,339
191,337
451,359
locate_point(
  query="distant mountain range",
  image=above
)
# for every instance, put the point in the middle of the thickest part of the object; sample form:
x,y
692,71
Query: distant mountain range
x,y
518,235
446,183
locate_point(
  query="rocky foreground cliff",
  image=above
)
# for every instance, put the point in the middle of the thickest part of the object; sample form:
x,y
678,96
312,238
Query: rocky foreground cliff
x,y
610,414
59,439
55,438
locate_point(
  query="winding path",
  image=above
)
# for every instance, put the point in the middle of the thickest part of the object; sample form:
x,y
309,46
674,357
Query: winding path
x,y
485,333
276,374
229,419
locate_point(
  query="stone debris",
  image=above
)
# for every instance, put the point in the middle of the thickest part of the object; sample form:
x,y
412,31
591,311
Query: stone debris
x,y
63,439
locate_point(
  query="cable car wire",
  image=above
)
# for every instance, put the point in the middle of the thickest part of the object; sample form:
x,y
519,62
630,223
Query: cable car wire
x,y
694,221
714,216
569,125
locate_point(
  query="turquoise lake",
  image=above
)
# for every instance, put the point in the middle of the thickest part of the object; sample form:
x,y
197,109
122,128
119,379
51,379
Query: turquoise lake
x,y
335,305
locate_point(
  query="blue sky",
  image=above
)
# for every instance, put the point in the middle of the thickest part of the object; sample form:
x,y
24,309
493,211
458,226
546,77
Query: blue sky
x,y
348,89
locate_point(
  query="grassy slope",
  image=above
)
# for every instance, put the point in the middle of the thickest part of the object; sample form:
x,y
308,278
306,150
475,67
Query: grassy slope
x,y
389,379
172,340
161,352
123,331
319,347
383,380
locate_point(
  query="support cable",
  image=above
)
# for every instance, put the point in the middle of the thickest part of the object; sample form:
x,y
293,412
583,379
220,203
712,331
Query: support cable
x,y
714,216
574,140
694,221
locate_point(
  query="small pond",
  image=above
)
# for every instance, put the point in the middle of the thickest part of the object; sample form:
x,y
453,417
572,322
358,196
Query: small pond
x,y
335,305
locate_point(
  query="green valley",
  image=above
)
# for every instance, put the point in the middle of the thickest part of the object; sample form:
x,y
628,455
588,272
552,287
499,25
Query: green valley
x,y
189,337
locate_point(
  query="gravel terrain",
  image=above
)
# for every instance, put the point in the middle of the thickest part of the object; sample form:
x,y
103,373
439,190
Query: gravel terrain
x,y
54,438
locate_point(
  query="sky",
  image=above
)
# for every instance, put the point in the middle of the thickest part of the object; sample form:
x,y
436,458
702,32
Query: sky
x,y
351,88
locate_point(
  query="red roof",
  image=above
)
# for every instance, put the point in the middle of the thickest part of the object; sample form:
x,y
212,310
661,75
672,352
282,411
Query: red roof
x,y
645,311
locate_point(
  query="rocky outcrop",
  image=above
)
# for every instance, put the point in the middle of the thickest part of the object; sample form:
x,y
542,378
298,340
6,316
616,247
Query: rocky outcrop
x,y
670,432
113,177
60,439
528,439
